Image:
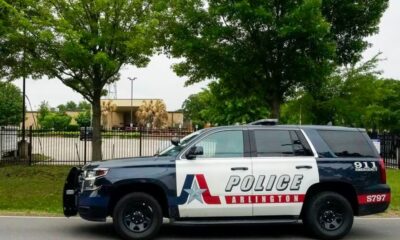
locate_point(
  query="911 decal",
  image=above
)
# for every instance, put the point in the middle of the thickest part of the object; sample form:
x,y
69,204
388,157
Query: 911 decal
x,y
374,198
195,188
365,167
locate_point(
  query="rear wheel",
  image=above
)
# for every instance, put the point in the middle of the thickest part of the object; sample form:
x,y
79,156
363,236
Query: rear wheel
x,y
328,215
137,216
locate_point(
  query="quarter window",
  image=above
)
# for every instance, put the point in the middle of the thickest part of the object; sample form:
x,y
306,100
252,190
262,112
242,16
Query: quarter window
x,y
225,144
347,144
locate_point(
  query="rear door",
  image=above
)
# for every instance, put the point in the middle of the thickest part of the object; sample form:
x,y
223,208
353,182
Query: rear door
x,y
206,184
284,167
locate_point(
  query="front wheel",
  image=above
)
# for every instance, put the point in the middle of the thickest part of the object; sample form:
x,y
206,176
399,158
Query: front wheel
x,y
328,215
137,216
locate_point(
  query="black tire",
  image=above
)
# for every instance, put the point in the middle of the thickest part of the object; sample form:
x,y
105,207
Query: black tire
x,y
137,216
328,215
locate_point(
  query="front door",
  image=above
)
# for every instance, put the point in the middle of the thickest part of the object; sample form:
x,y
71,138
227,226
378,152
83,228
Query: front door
x,y
206,184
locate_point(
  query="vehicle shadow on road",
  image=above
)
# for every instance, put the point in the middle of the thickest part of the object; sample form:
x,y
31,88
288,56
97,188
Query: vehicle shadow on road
x,y
269,231
259,231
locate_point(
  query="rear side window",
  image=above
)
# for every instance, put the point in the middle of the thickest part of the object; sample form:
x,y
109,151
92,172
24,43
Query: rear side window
x,y
347,144
276,143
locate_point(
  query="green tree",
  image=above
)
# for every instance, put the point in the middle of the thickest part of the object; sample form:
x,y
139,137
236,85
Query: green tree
x,y
69,106
55,121
19,37
48,119
351,22
268,48
84,106
83,119
10,104
356,97
219,105
73,106
228,107
85,43
194,106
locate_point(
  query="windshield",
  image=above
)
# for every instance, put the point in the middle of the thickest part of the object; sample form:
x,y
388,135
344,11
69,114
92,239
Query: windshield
x,y
174,150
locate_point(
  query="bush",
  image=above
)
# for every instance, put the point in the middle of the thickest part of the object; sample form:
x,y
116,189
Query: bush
x,y
72,127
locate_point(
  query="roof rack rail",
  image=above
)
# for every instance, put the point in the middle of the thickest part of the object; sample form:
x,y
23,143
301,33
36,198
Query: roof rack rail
x,y
265,122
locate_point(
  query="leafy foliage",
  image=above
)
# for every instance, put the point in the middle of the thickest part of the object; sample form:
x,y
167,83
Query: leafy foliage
x,y
351,21
20,35
355,97
73,106
10,104
52,120
83,119
221,106
269,48
85,43
153,113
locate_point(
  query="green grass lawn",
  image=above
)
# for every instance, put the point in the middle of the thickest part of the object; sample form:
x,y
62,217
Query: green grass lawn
x,y
37,190
33,190
393,179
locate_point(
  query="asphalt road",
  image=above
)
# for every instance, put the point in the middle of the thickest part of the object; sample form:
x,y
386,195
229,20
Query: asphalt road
x,y
37,228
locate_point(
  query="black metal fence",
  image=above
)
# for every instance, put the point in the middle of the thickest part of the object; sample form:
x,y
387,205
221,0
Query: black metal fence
x,y
390,149
47,147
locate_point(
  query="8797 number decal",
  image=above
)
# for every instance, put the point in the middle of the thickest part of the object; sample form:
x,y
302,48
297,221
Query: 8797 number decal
x,y
374,198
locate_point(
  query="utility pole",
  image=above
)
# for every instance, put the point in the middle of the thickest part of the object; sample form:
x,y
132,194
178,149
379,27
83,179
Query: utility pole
x,y
23,107
131,79
23,144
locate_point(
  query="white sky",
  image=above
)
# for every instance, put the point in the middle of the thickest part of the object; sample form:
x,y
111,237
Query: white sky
x,y
158,80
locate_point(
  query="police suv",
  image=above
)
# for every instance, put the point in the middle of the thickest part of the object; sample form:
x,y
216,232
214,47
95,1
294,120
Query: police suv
x,y
322,175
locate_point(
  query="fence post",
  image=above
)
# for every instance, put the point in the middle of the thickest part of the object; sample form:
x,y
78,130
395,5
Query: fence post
x,y
398,151
383,148
30,146
84,147
1,143
140,141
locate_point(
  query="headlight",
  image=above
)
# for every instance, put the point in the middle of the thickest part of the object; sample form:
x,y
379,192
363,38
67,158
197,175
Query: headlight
x,y
90,177
95,173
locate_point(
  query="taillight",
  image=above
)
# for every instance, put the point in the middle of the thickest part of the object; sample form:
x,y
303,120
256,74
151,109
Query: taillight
x,y
382,171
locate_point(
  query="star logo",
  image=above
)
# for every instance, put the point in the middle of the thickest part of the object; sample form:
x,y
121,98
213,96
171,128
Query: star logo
x,y
195,193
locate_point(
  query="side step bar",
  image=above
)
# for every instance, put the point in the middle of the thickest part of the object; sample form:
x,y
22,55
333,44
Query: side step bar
x,y
200,221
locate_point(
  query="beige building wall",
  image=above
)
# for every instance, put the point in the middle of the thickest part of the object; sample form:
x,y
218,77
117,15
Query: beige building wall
x,y
115,119
175,119
31,119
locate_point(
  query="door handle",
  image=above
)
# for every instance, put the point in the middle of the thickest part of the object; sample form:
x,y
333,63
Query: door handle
x,y
304,167
239,169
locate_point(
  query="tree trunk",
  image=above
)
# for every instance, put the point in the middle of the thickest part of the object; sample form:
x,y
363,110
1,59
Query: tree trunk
x,y
96,124
275,108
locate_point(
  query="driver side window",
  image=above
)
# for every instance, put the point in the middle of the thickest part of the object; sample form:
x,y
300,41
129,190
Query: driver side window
x,y
224,144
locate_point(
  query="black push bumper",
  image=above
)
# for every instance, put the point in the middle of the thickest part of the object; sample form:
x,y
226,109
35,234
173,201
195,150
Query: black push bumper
x,y
71,192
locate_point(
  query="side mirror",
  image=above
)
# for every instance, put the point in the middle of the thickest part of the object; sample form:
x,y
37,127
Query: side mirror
x,y
175,141
194,151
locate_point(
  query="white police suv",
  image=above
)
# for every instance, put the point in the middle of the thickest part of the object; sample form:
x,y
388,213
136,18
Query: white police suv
x,y
321,175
